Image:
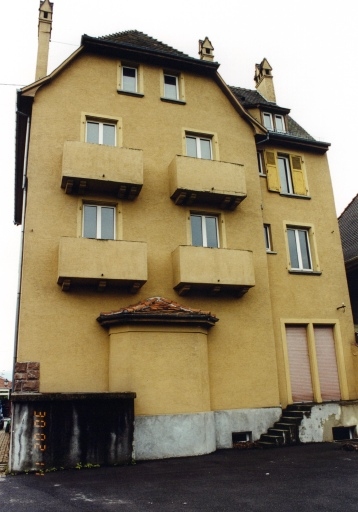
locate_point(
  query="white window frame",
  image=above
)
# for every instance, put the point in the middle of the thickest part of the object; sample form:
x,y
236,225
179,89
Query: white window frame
x,y
203,218
176,87
101,124
282,119
198,139
270,122
260,163
99,208
135,79
268,237
299,249
285,174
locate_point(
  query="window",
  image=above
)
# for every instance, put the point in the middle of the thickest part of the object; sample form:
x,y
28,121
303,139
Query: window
x,y
129,79
284,170
101,133
171,89
285,173
260,163
198,147
299,249
204,230
274,122
98,221
267,236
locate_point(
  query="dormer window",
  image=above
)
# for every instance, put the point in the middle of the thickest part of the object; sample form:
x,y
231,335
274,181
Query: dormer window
x,y
274,122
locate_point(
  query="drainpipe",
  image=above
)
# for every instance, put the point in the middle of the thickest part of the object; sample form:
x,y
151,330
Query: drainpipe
x,y
24,197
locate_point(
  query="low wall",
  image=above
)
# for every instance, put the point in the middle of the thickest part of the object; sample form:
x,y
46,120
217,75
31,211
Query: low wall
x,y
61,430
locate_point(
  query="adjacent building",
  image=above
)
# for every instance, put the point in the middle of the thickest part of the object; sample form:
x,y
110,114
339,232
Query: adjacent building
x,y
348,225
181,243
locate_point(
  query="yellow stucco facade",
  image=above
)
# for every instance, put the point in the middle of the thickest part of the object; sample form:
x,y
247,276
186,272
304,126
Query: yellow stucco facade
x,y
153,188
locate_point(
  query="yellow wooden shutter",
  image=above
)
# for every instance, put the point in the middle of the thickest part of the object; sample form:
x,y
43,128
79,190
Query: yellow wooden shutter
x,y
273,180
298,177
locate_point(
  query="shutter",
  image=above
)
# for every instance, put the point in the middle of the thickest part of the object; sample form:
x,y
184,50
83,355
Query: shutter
x,y
273,181
327,363
300,371
298,178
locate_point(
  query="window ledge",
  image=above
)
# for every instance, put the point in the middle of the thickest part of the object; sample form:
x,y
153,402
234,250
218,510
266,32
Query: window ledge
x,y
130,93
295,196
306,272
262,174
169,100
271,252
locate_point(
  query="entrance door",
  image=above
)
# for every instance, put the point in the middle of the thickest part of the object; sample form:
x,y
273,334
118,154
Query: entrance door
x,y
302,378
300,371
327,363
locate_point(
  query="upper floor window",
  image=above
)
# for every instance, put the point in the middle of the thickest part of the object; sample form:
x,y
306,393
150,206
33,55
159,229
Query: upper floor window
x,y
204,230
274,122
129,79
260,163
299,248
285,173
171,88
101,133
198,147
267,236
98,221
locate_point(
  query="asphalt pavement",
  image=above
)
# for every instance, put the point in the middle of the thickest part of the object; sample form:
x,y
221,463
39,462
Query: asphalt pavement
x,y
316,477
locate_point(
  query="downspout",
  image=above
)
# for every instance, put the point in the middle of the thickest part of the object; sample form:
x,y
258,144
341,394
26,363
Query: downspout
x,y
24,197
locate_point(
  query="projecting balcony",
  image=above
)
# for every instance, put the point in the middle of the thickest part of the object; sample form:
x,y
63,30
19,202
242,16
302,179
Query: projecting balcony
x,y
198,181
102,264
95,168
213,271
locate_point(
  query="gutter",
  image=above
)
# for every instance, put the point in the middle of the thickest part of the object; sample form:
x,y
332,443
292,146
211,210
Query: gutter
x,y
24,198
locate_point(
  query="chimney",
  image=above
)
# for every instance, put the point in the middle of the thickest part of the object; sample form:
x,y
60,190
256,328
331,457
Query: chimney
x,y
264,81
45,26
206,50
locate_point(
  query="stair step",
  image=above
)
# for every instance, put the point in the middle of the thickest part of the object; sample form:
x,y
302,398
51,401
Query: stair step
x,y
299,407
266,445
291,419
293,413
276,440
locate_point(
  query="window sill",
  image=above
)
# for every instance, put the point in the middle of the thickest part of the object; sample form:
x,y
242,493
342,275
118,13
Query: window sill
x,y
305,272
295,196
169,100
130,93
271,252
263,175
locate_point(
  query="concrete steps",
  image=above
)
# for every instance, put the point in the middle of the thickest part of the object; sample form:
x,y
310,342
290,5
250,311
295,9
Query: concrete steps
x,y
285,431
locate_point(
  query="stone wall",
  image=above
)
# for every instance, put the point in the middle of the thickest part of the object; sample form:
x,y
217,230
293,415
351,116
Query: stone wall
x,y
27,377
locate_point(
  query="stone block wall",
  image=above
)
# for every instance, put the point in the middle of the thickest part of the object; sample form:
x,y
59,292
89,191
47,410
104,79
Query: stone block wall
x,y
27,377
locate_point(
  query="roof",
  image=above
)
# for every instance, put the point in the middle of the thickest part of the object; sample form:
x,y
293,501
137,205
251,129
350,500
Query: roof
x,y
5,383
157,309
252,98
140,40
348,225
139,46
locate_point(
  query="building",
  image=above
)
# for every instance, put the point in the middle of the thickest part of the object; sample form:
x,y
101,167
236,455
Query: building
x,y
348,225
181,243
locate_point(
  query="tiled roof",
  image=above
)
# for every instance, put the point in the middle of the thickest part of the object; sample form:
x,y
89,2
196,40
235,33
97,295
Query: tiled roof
x,y
348,225
2,383
252,98
157,308
140,40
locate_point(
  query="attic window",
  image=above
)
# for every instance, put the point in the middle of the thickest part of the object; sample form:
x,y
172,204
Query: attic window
x,y
45,14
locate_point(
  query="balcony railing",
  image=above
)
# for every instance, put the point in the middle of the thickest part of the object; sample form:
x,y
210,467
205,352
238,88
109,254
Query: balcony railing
x,y
199,181
102,264
101,169
214,271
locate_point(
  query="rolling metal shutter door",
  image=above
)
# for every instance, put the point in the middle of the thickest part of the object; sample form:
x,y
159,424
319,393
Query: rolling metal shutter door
x,y
300,371
327,363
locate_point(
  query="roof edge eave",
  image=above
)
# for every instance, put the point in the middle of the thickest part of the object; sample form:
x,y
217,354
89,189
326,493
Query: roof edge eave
x,y
93,43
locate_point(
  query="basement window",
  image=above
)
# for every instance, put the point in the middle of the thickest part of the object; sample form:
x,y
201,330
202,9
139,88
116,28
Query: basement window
x,y
241,437
343,433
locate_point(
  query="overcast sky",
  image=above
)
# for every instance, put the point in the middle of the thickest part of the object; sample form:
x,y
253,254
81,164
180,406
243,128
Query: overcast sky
x,y
311,46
